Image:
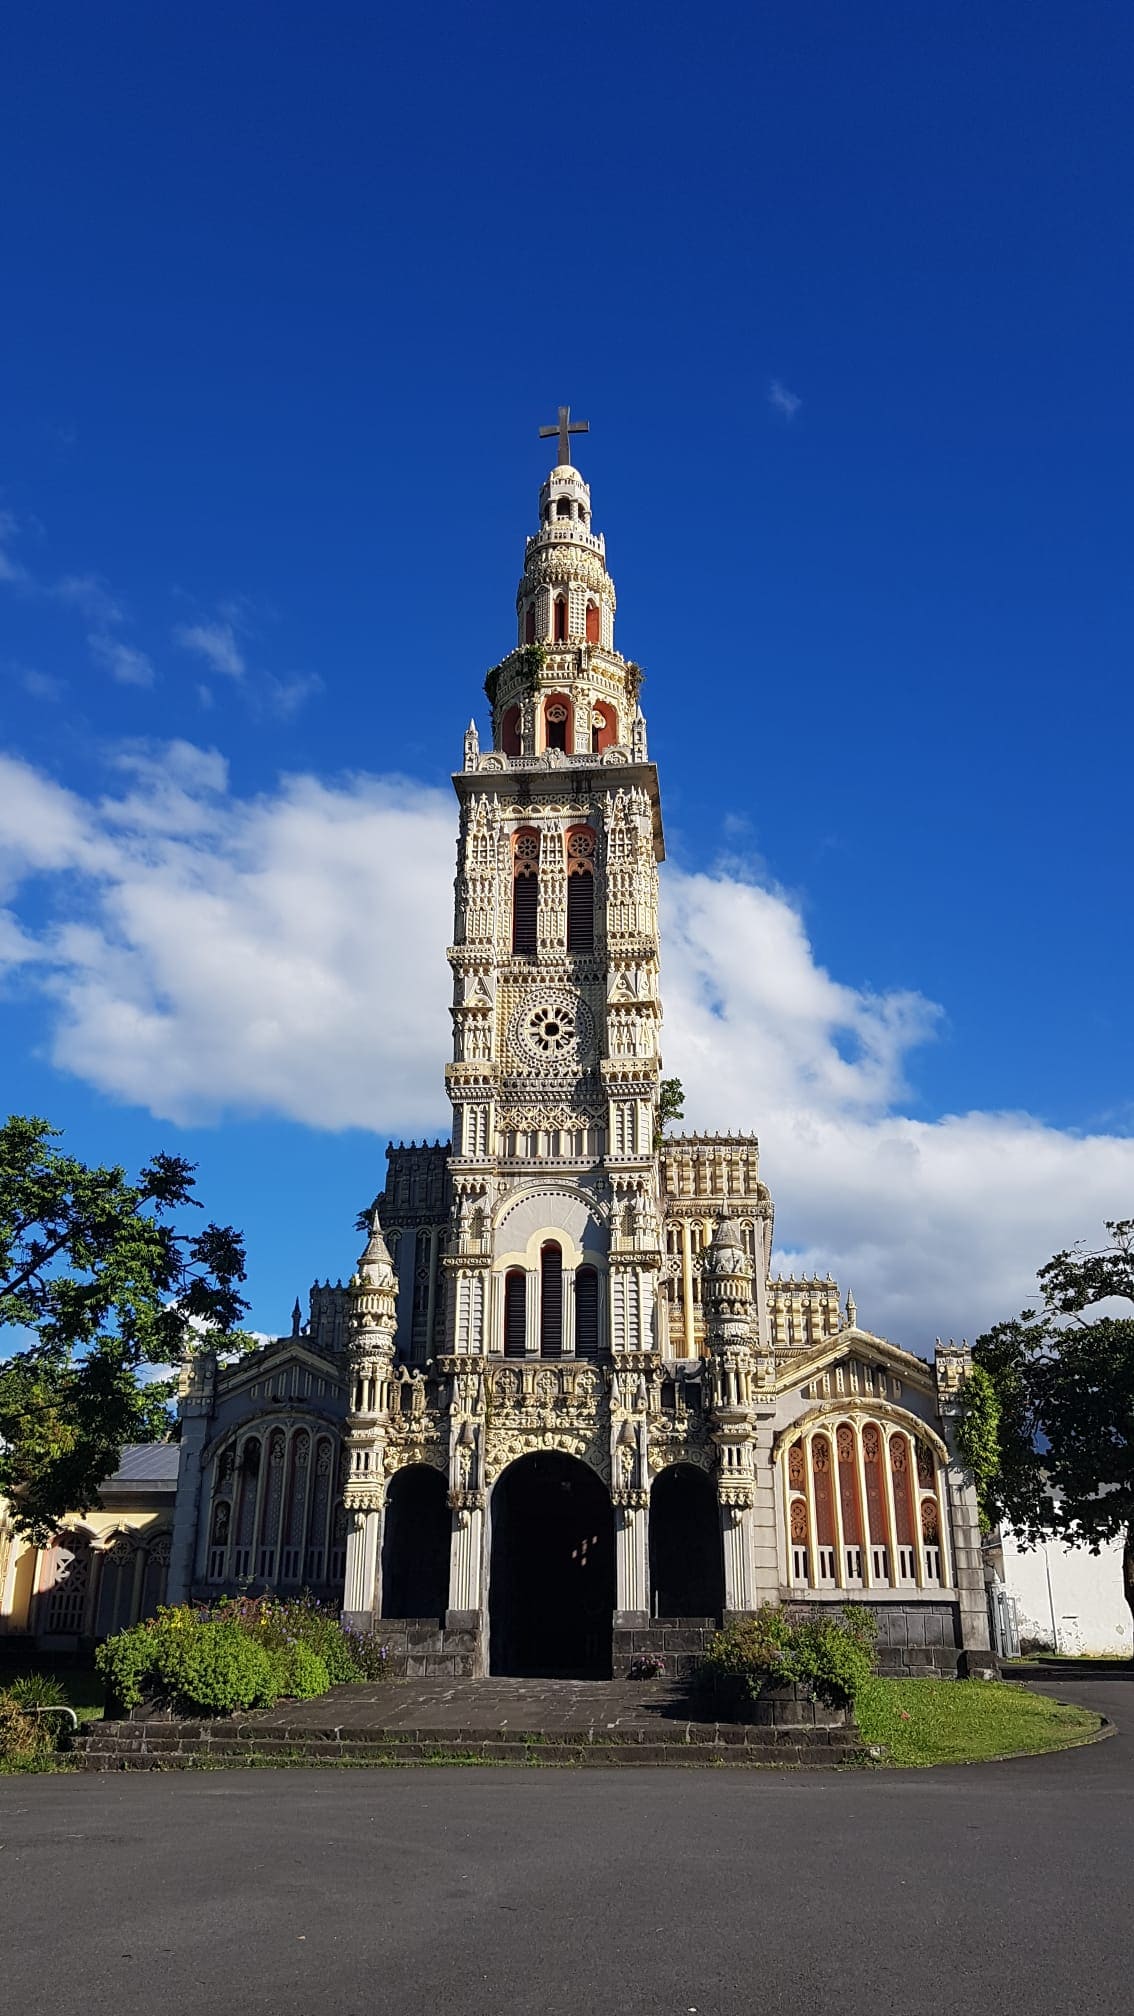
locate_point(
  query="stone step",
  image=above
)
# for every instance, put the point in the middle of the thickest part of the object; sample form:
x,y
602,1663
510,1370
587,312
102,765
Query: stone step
x,y
164,1746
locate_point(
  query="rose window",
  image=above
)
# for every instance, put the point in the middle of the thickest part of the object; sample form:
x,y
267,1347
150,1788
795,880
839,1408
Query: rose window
x,y
550,1030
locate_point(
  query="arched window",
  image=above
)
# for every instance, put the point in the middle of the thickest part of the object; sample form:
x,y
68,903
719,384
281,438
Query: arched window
x,y
580,890
824,1496
556,722
273,1506
593,622
551,1301
586,1313
604,727
563,508
248,1484
529,624
510,732
905,1537
875,1503
65,1586
295,1517
525,892
515,1312
560,631
321,1493
849,1505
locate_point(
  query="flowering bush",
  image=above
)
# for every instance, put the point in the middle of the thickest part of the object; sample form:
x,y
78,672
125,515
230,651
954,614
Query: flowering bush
x,y
246,1652
647,1666
776,1648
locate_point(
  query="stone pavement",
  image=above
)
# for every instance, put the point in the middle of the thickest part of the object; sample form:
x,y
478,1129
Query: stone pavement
x,y
489,1706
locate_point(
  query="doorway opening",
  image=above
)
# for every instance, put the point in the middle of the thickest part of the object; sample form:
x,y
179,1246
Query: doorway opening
x,y
686,1555
551,1591
415,1545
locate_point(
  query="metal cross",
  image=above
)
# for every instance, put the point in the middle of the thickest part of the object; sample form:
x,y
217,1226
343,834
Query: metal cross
x,y
565,428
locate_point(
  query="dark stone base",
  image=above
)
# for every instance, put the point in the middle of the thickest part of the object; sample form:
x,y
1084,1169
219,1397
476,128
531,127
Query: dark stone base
x,y
679,1641
422,1648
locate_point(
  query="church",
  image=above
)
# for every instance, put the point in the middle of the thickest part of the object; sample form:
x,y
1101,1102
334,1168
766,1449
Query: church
x,y
564,1415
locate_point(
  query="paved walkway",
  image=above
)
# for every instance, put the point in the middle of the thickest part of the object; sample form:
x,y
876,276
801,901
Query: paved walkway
x,y
487,1706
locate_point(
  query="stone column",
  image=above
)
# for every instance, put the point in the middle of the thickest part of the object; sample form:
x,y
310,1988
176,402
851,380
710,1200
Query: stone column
x,y
632,1559
197,1384
466,1565
364,1541
736,1540
764,1519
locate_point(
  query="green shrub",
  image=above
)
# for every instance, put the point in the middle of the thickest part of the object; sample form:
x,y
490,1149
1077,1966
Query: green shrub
x,y
37,1690
26,1741
125,1663
214,1668
298,1673
831,1657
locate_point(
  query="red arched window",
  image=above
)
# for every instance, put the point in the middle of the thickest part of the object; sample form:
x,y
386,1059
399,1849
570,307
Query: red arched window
x,y
593,620
557,722
551,1302
586,1313
604,727
822,1485
510,732
560,632
515,1295
525,892
529,624
580,889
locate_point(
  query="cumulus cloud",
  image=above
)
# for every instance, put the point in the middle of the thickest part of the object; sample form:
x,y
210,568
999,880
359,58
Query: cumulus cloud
x,y
124,662
216,643
783,402
210,955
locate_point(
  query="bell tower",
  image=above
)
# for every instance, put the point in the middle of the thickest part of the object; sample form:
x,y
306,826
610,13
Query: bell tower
x,y
556,1010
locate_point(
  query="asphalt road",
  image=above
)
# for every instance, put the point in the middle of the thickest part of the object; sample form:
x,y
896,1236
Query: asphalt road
x,y
1000,1888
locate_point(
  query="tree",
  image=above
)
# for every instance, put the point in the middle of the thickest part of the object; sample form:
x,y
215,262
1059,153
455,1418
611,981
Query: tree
x,y
671,1106
96,1283
1052,1443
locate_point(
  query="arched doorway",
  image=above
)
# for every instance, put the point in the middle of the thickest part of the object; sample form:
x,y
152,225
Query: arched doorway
x,y
415,1545
686,1556
551,1590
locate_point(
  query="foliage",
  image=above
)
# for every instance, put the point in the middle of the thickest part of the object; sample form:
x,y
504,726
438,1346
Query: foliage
x,y
204,1665
919,1722
531,659
1063,1382
95,1273
978,1438
37,1690
634,678
833,1657
27,1741
671,1106
278,1623
647,1666
244,1653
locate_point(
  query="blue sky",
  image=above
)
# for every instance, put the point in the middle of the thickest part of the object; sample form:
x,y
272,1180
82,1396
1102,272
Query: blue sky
x,y
846,295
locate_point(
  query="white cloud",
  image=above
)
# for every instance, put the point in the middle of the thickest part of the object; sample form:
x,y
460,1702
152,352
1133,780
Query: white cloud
x,y
215,643
124,662
212,955
783,402
12,571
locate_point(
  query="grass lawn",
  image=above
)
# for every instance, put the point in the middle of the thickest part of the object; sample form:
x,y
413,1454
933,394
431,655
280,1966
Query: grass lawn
x,y
964,1721
81,1683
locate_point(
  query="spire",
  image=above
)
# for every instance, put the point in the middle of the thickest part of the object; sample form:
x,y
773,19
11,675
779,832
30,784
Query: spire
x,y
296,1318
375,1267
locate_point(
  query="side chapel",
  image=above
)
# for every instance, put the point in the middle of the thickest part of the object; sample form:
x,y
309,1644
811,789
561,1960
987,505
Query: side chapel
x,y
563,1412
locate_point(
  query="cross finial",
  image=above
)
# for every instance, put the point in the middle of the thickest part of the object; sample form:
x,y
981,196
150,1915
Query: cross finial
x,y
565,427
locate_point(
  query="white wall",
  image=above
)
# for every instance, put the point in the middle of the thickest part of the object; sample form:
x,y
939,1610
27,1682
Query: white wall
x,y
1068,1597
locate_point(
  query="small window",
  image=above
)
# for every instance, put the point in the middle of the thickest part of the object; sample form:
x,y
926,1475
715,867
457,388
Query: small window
x,y
563,508
510,732
586,1313
525,894
551,1302
515,1290
592,623
529,624
556,717
560,619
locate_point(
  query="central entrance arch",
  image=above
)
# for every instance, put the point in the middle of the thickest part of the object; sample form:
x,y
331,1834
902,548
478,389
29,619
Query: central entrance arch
x,y
551,1585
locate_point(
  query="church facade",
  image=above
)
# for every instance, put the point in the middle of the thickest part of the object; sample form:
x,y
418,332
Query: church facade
x,y
563,1413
